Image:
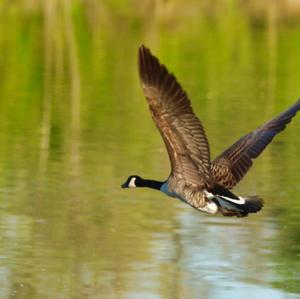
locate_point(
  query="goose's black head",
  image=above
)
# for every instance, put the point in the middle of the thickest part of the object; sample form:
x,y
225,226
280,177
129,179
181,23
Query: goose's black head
x,y
133,181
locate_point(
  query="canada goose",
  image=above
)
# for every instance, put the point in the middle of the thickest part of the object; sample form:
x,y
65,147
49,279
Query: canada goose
x,y
194,178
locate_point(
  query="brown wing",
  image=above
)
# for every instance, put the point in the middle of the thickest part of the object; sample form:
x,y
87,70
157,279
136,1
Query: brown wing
x,y
173,115
230,167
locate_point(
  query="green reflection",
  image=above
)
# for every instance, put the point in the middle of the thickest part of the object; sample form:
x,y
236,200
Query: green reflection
x,y
74,124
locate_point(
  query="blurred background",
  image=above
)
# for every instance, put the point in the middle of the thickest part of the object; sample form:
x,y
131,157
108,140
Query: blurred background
x,y
74,124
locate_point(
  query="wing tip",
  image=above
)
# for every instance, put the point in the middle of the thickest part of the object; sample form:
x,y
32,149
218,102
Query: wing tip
x,y
151,71
145,62
144,53
287,116
296,106
142,47
142,50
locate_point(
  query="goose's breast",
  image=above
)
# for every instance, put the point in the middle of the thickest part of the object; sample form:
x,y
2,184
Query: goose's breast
x,y
165,189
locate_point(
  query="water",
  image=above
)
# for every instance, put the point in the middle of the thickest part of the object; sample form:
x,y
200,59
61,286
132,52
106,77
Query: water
x,y
74,124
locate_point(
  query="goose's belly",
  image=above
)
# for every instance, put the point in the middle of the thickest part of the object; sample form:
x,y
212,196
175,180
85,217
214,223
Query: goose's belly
x,y
208,206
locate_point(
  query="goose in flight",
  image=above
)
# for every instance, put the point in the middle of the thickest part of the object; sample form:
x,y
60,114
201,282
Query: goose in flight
x,y
194,179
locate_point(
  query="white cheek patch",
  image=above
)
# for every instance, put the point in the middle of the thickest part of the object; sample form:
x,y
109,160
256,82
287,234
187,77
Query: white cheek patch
x,y
132,183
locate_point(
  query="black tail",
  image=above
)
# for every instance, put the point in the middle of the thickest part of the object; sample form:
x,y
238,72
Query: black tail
x,y
240,207
231,205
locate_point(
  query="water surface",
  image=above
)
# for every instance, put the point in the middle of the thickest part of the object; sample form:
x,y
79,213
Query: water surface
x,y
74,124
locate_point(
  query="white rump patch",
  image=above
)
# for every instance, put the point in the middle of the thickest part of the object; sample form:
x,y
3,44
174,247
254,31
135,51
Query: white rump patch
x,y
240,201
210,208
132,183
209,195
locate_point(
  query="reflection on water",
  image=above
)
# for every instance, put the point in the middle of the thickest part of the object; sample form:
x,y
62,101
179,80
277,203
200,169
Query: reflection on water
x,y
74,124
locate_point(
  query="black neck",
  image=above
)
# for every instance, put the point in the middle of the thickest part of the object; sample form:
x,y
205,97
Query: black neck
x,y
150,184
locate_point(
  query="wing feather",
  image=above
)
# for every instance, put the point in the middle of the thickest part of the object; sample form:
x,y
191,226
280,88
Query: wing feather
x,y
173,115
231,166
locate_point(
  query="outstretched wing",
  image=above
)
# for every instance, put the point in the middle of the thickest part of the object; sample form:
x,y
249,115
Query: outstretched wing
x,y
230,167
173,115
